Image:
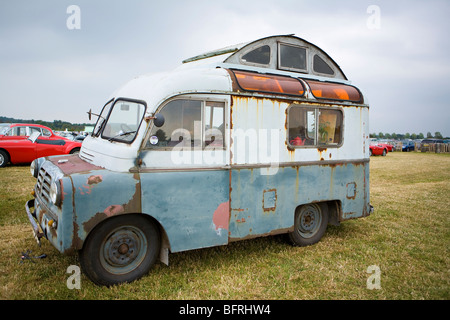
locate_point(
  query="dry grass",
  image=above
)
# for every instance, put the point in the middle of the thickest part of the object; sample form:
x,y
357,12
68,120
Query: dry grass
x,y
407,237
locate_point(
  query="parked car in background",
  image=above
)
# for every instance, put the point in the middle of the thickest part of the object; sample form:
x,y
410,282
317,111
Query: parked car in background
x,y
376,149
25,150
17,131
407,145
387,146
426,144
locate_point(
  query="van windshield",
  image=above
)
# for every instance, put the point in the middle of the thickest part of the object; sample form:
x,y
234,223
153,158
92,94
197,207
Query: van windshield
x,y
123,122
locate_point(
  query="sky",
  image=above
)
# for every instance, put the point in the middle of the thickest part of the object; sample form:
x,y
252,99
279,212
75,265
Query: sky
x,y
57,63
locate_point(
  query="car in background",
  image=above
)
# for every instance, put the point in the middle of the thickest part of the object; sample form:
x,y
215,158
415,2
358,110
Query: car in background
x,y
426,144
376,149
25,150
408,145
389,147
17,131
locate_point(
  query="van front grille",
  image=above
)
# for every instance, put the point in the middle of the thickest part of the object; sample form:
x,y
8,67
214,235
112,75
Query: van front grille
x,y
43,185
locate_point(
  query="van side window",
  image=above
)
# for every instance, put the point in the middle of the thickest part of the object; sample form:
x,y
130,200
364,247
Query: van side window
x,y
214,124
183,126
314,126
260,55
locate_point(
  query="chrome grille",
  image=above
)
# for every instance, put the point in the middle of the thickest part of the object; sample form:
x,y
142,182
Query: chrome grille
x,y
43,184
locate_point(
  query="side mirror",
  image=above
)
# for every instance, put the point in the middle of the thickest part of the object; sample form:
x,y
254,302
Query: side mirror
x,y
90,113
158,120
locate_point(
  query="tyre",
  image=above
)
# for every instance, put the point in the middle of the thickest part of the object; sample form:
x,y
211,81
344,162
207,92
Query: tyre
x,y
75,150
4,158
121,249
310,224
384,152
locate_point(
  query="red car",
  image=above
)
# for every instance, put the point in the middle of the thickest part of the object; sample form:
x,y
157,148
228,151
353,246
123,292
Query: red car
x,y
378,150
25,150
389,147
24,130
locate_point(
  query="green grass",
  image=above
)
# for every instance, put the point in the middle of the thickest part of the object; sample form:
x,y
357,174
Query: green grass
x,y
407,237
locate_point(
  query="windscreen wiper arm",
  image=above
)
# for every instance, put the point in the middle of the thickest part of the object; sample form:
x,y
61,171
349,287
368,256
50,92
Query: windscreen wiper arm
x,y
122,134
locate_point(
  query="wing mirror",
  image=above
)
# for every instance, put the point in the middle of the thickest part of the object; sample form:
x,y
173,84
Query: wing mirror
x,y
158,120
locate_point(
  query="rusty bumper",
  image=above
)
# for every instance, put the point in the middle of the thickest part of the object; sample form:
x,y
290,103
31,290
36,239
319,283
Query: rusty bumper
x,y
31,216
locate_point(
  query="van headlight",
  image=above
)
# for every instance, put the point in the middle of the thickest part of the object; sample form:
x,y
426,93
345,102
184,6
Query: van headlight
x,y
34,168
55,193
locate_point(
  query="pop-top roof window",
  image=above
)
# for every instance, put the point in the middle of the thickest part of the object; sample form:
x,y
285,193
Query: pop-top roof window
x,y
291,57
321,66
260,55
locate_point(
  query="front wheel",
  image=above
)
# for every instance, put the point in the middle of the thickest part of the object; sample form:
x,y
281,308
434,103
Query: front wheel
x,y
4,158
310,224
121,249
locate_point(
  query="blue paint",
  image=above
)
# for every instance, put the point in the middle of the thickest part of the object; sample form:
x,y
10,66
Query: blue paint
x,y
184,202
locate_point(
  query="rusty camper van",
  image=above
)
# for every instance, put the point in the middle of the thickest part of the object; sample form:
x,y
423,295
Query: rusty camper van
x,y
257,139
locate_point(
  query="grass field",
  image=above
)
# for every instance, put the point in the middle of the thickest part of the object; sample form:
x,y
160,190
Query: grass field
x,y
407,238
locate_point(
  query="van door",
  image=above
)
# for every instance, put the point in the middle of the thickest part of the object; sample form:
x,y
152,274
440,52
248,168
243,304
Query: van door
x,y
184,173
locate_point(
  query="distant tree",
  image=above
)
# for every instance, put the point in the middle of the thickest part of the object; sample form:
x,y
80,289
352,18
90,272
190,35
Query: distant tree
x,y
381,135
373,135
429,135
420,136
407,135
413,136
394,136
438,135
387,136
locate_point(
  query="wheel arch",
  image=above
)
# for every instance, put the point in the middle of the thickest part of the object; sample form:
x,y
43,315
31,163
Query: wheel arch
x,y
165,243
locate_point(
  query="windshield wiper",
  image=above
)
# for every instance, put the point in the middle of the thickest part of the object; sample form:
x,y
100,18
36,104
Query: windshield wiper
x,y
122,134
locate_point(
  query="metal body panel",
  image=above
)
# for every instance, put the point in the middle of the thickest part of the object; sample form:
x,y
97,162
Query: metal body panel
x,y
191,206
265,204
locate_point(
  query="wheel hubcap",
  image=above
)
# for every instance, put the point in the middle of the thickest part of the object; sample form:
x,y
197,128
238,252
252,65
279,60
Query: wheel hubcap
x,y
310,219
123,250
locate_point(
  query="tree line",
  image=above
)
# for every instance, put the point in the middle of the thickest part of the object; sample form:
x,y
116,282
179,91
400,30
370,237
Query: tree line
x,y
400,136
56,125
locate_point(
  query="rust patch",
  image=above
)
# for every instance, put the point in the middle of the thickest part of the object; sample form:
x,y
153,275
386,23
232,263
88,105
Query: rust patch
x,y
113,210
270,200
351,191
94,179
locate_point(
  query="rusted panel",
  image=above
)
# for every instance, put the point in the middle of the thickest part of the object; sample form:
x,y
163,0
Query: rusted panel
x,y
73,164
270,200
342,182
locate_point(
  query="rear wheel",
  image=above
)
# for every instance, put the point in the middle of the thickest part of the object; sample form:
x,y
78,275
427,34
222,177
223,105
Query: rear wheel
x,y
310,224
121,249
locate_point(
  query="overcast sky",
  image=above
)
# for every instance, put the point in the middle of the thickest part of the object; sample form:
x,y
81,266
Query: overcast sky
x,y
49,71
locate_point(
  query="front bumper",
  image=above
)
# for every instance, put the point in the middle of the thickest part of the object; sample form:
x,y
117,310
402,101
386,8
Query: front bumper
x,y
33,220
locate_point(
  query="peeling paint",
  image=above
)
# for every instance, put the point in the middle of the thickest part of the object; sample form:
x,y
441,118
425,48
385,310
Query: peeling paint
x,y
221,216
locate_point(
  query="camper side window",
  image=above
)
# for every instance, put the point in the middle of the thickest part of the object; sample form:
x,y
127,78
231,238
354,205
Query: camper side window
x,y
314,126
183,126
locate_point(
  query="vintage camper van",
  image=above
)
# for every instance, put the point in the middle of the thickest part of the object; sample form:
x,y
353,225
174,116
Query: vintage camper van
x,y
257,139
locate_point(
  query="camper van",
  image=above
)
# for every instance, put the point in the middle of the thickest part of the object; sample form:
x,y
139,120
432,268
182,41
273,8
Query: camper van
x,y
258,139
